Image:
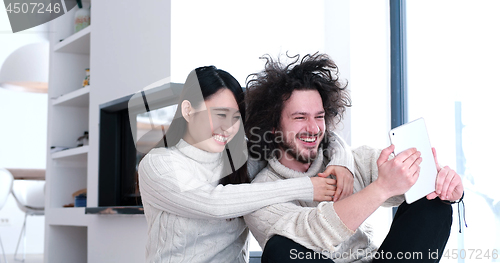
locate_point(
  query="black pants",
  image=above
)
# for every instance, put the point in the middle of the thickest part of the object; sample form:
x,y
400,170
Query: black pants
x,y
418,233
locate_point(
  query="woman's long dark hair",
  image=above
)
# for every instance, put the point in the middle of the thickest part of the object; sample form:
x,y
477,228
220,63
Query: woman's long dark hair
x,y
210,80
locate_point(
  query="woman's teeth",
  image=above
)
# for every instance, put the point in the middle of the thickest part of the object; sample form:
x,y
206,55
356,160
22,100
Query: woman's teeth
x,y
220,138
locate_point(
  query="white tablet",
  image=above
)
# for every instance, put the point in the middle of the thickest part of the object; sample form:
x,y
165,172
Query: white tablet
x,y
414,135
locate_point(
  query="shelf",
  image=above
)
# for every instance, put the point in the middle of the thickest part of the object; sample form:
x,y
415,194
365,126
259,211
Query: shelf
x,y
115,210
77,43
66,216
78,153
77,98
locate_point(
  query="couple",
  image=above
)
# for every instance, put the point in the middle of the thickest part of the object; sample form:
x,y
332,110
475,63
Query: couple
x,y
309,202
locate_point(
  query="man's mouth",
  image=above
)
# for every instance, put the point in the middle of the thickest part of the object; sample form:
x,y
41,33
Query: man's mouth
x,y
308,139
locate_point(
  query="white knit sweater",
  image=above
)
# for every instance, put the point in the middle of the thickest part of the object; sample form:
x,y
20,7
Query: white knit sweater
x,y
193,219
317,225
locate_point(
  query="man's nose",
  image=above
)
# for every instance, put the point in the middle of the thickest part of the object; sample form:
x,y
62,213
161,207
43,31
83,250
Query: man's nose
x,y
312,126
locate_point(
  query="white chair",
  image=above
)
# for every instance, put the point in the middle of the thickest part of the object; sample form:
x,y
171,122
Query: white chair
x,y
6,179
30,197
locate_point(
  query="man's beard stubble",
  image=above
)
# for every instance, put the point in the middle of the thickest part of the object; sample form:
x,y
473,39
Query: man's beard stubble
x,y
290,148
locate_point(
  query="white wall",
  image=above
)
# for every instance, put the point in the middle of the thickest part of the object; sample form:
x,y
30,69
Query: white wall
x,y
232,35
370,86
338,46
370,73
23,137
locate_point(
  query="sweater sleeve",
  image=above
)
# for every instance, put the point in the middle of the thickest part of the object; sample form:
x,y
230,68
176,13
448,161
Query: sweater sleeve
x,y
316,228
339,153
163,186
365,160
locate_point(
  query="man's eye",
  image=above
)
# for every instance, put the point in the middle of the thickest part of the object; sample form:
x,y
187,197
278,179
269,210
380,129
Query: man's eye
x,y
299,118
321,117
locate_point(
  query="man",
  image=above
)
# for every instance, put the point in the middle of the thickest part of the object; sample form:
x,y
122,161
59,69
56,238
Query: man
x,y
291,110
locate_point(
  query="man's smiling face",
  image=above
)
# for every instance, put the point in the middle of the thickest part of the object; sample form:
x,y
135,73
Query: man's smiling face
x,y
302,126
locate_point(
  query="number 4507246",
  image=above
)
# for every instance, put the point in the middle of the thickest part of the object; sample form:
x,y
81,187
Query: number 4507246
x,y
33,8
471,254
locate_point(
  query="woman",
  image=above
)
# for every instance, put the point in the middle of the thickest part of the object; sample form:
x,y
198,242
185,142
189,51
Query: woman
x,y
196,190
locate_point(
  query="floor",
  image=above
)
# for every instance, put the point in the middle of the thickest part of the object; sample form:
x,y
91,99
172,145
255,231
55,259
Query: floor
x,y
30,258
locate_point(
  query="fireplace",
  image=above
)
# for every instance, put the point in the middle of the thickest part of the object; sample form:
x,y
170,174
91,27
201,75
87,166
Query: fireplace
x,y
129,128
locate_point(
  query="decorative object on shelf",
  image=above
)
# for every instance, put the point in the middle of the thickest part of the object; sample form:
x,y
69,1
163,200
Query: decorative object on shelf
x,y
86,81
82,17
83,140
54,149
80,197
27,69
81,200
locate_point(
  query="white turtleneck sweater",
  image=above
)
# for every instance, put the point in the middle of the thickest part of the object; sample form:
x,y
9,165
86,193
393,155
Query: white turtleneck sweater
x,y
316,225
191,218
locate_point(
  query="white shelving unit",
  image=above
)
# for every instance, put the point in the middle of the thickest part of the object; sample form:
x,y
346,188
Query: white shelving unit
x,y
68,216
123,58
68,108
78,154
78,43
77,98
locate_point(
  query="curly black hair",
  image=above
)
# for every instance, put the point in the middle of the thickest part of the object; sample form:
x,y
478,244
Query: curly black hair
x,y
268,90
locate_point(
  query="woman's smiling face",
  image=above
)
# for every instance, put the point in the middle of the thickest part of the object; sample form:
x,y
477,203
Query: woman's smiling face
x,y
214,123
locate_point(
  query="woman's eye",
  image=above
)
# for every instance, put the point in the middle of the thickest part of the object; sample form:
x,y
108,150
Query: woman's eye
x,y
222,115
237,117
321,117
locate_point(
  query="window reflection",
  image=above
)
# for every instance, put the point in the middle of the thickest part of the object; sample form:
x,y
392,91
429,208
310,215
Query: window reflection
x,y
152,120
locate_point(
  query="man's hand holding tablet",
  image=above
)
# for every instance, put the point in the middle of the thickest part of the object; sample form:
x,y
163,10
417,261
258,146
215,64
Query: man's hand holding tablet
x,y
433,180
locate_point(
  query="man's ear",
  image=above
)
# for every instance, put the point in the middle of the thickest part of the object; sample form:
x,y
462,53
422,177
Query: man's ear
x,y
186,110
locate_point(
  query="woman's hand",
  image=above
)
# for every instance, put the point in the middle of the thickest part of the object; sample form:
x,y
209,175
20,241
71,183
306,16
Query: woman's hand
x,y
448,183
345,181
324,188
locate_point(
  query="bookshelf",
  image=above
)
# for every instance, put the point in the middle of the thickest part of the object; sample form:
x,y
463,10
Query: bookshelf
x,y
68,119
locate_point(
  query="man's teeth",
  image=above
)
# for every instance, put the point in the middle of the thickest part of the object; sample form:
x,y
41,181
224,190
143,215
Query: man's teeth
x,y
220,138
308,139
